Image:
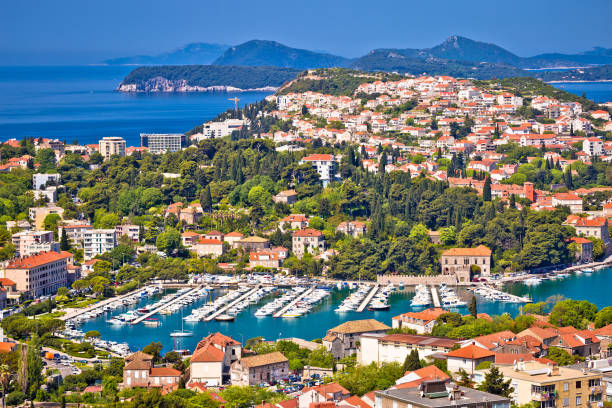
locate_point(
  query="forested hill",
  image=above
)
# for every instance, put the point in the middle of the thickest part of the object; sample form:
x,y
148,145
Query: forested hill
x,y
185,78
272,53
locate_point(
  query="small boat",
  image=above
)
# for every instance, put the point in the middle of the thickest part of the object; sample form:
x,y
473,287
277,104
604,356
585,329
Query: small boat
x,y
378,307
151,322
181,333
225,318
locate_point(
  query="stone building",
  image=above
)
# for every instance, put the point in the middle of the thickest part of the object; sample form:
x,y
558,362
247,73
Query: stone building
x,y
140,372
458,261
343,340
308,240
262,368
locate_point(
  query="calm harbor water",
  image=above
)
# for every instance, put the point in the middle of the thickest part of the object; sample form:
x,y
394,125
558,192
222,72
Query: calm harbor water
x,y
313,325
80,103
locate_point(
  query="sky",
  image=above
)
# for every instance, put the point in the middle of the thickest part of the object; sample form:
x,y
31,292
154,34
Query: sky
x,y
92,29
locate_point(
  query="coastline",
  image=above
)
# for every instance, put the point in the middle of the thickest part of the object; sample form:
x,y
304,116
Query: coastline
x,y
578,81
184,88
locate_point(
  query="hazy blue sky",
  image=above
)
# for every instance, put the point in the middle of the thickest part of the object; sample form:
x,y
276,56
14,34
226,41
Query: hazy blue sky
x,y
346,27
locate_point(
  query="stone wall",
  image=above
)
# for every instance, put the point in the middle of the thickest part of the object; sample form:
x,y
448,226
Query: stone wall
x,y
413,280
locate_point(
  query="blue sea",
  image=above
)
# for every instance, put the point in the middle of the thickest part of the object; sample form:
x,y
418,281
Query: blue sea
x,y
80,103
594,288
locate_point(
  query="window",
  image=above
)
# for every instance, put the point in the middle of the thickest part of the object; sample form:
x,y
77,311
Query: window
x,y
578,384
565,402
565,386
578,400
594,382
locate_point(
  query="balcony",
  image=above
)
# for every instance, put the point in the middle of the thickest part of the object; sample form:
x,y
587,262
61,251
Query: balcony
x,y
543,396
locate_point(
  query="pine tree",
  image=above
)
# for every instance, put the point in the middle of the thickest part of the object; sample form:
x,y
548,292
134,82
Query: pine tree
x,y
472,308
412,361
486,190
64,243
464,379
494,383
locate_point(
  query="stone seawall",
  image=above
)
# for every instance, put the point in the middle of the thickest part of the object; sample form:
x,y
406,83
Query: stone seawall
x,y
413,280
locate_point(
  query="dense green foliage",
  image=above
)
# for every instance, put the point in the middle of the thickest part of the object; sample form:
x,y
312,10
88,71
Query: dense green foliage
x,y
212,75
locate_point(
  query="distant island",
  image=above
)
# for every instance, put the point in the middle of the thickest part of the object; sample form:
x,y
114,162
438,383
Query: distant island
x,y
206,78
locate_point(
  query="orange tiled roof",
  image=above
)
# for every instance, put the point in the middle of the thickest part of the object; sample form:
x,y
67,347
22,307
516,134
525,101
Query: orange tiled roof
x,y
35,260
480,250
470,352
307,232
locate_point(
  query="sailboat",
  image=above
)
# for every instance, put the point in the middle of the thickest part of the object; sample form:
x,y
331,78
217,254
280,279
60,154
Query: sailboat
x,y
182,332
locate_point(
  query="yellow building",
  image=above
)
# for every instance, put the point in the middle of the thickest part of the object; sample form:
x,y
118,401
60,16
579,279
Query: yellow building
x,y
551,386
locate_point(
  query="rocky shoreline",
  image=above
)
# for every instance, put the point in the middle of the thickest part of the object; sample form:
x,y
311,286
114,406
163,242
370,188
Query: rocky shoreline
x,y
160,84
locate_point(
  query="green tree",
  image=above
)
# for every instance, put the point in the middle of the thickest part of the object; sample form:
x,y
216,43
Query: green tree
x,y
486,190
539,308
464,379
560,356
419,232
575,313
494,383
472,307
412,361
50,222
168,240
603,317
64,243
154,349
34,366
206,199
448,235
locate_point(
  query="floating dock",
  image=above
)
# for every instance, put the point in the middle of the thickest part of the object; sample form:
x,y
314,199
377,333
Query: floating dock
x,y
368,298
434,296
232,303
283,309
164,305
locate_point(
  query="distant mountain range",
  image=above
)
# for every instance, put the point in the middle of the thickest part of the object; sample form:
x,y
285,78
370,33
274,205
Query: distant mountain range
x,y
454,50
194,53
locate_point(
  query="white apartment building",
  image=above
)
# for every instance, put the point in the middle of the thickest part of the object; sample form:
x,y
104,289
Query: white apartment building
x,y
98,241
158,143
112,146
211,130
325,164
75,232
387,348
593,146
39,180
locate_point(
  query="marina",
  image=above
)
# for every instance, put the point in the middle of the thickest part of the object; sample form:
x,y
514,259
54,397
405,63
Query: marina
x,y
255,318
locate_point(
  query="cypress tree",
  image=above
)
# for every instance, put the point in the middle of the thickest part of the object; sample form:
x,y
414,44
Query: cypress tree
x,y
412,361
64,244
206,200
486,190
512,201
472,308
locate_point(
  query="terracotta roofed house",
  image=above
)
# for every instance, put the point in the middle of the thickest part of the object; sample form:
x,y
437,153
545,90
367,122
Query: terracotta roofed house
x,y
38,275
233,238
307,240
343,340
212,358
387,348
261,368
423,321
467,358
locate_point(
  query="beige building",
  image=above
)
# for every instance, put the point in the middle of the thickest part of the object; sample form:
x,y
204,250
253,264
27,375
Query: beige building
x,y
423,321
308,240
75,232
352,228
27,242
38,275
129,230
212,247
590,227
343,340
253,244
551,386
112,146
140,372
293,222
233,238
258,369
38,214
287,197
265,259
458,261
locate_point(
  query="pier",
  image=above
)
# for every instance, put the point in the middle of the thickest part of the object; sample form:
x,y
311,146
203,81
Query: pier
x,y
77,312
368,298
164,305
434,296
293,302
232,303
